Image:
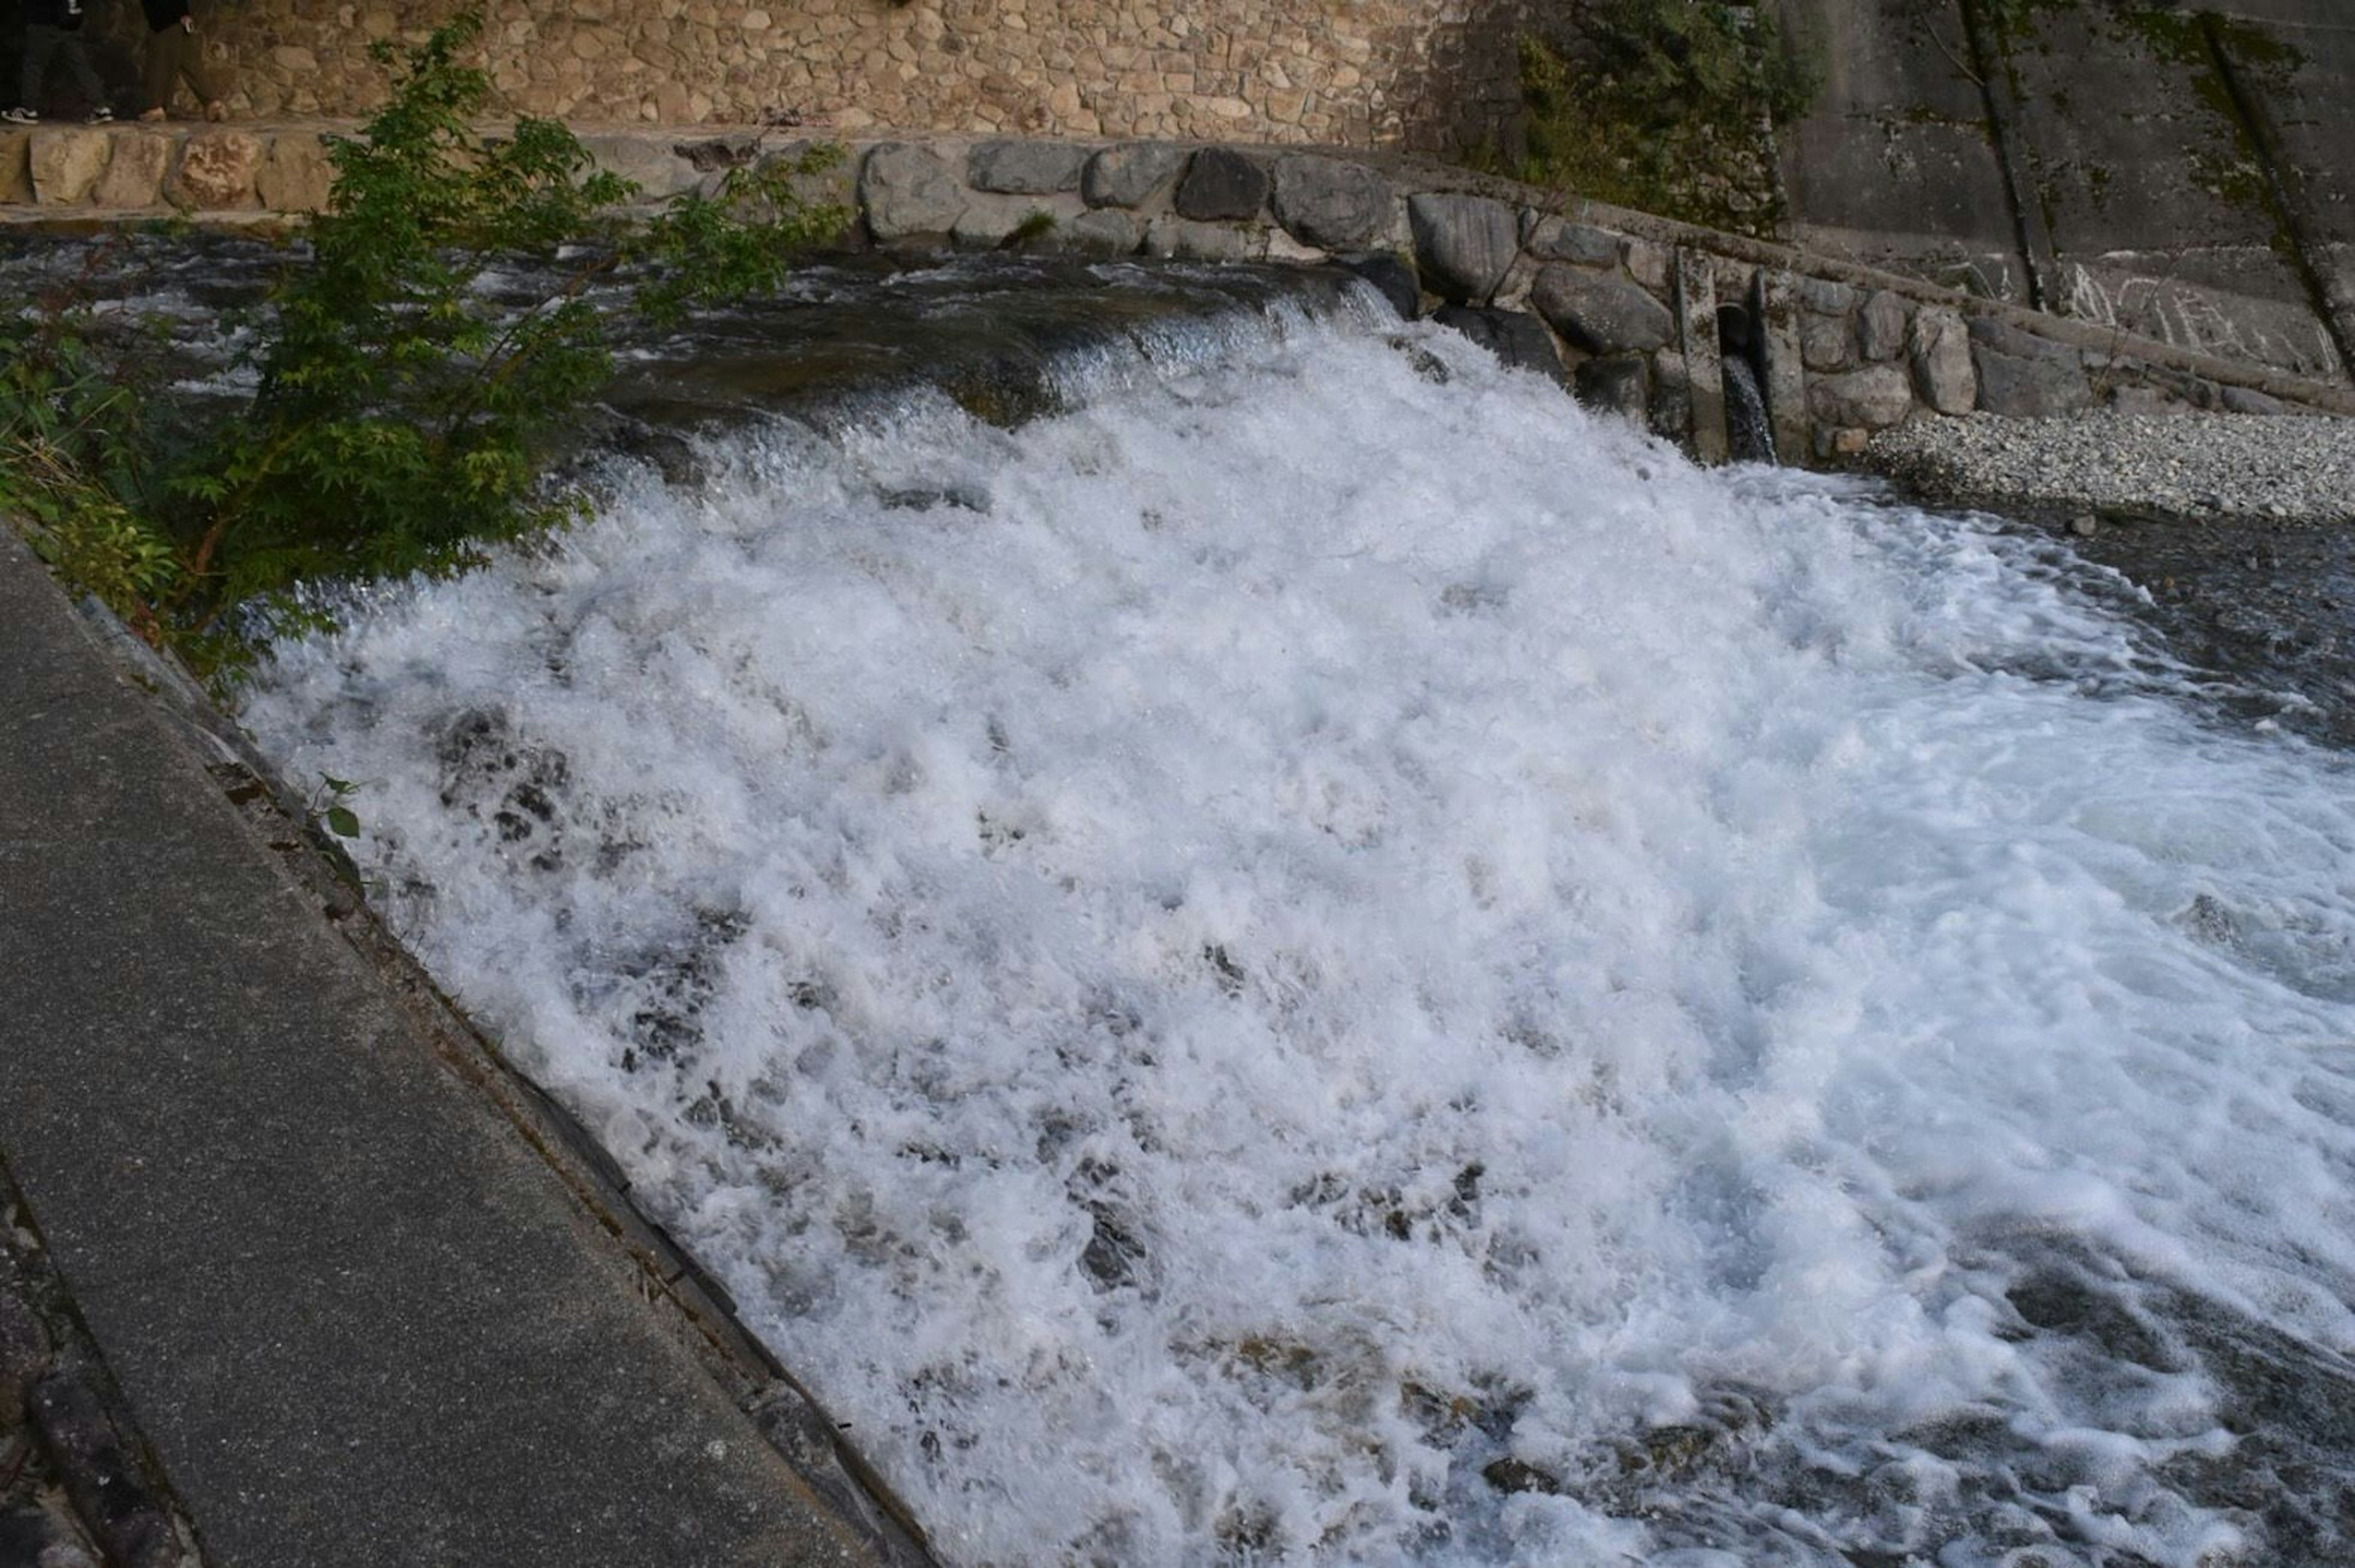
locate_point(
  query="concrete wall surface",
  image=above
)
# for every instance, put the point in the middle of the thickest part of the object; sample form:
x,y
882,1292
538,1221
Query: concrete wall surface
x,y
2181,171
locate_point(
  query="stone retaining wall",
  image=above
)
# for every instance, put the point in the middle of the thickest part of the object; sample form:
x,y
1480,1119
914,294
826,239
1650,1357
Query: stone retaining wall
x,y
1359,73
1633,314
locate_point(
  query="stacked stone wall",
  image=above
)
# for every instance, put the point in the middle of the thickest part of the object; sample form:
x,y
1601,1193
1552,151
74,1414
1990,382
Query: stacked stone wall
x,y
1364,73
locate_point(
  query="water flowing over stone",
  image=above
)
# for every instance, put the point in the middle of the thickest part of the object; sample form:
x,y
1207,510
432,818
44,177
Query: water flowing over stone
x,y
1315,955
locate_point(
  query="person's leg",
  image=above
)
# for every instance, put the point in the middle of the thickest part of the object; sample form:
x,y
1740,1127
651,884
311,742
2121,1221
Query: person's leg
x,y
157,69
199,76
40,43
85,76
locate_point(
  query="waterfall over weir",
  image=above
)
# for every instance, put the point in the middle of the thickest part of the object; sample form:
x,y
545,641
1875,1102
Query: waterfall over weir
x,y
1312,956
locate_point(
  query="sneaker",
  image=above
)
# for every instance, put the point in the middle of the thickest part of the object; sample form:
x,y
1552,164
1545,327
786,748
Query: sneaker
x,y
21,117
101,116
216,111
154,116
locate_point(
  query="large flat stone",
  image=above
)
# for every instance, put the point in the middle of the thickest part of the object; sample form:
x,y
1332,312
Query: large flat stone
x,y
1464,244
67,164
216,172
359,1321
134,174
1026,169
1601,315
1131,173
1331,203
907,190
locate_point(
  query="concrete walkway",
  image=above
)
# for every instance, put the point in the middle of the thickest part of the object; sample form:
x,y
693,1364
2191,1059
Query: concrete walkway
x,y
359,1317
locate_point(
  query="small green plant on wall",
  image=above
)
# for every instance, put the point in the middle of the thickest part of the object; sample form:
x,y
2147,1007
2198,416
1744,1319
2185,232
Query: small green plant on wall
x,y
1665,106
400,415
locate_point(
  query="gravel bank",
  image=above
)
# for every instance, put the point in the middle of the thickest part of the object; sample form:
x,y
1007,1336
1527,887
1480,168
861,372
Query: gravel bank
x,y
2204,468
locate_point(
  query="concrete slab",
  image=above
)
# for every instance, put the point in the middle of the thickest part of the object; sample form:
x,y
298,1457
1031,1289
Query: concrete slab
x,y
359,1319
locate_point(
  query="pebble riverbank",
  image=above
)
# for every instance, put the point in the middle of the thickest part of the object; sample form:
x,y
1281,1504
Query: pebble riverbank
x,y
2112,467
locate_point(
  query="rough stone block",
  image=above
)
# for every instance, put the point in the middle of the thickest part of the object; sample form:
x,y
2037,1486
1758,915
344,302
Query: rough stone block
x,y
295,176
1826,342
1582,244
658,169
1874,397
1464,244
1601,315
1131,174
1329,203
134,174
990,220
216,172
908,191
66,165
1647,263
1025,168
1939,347
1880,326
2022,376
15,166
1222,186
1104,232
1826,297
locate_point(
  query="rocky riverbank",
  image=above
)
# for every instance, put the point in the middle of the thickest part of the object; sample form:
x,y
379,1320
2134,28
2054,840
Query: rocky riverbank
x,y
2099,468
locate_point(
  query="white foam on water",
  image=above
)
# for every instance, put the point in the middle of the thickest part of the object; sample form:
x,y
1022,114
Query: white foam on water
x,y
1312,964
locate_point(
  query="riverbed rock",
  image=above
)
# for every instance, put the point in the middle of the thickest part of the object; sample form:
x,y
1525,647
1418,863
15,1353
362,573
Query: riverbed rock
x,y
1939,346
1463,243
1580,244
1131,174
908,190
66,165
1515,336
1025,168
1617,384
1601,315
1874,397
1393,276
1880,325
1222,186
2022,376
1337,204
216,172
134,174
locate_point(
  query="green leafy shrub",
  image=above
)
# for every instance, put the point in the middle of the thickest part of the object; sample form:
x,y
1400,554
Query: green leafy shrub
x,y
1665,106
401,412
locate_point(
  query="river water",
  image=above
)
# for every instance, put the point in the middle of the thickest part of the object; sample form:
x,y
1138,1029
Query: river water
x,y
1297,952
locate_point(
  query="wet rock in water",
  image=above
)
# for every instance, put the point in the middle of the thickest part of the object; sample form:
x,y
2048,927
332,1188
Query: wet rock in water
x,y
1330,203
1464,244
514,784
1393,277
1511,1475
1131,174
1619,384
1222,186
1192,241
908,191
1025,168
1514,336
1601,315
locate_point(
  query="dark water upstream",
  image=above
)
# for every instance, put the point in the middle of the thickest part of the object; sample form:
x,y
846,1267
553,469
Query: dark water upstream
x,y
1252,940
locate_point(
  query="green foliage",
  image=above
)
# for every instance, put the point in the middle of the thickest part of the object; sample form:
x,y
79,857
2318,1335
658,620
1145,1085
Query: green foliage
x,y
1666,106
401,410
75,446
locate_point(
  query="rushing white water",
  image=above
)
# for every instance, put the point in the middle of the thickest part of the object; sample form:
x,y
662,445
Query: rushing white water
x,y
1315,963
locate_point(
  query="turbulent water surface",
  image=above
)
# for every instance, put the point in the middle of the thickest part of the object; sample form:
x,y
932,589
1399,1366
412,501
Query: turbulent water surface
x,y
1318,958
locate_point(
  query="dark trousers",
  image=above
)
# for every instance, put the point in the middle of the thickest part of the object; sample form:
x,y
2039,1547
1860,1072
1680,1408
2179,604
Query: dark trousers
x,y
40,44
172,54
